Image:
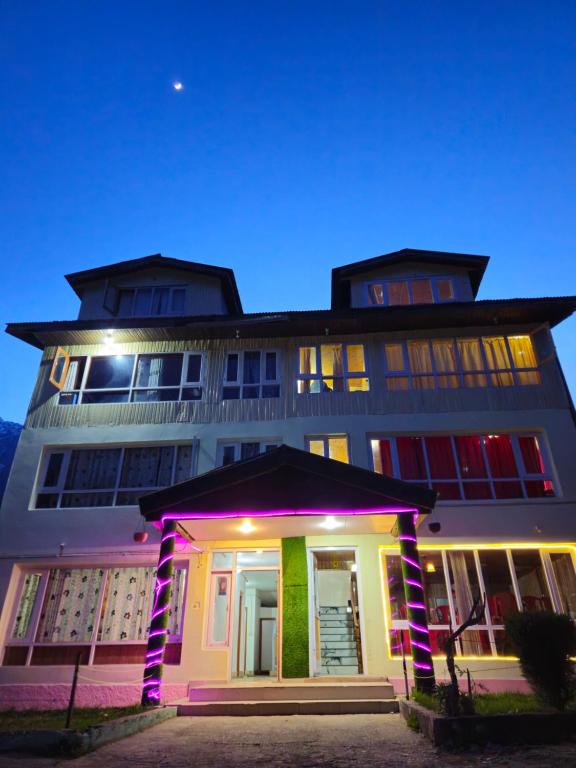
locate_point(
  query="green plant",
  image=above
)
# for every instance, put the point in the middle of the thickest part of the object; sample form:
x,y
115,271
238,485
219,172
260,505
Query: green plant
x,y
544,642
430,701
412,721
295,654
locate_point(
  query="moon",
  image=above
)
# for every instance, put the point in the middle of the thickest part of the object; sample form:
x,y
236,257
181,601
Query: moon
x,y
177,85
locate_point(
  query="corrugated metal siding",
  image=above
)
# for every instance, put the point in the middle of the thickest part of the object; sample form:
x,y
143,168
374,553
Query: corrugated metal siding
x,y
45,412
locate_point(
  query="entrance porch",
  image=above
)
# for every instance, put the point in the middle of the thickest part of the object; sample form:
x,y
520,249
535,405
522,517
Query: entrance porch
x,y
290,496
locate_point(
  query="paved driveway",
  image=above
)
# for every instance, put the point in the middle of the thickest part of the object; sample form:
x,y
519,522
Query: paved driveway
x,y
341,741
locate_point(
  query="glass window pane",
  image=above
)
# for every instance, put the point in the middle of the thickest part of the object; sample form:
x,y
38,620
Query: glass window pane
x,y
471,359
382,457
422,292
375,294
411,458
26,606
445,290
271,390
522,351
75,373
90,499
531,580
147,467
193,368
394,357
440,458
508,490
251,368
531,455
307,360
228,455
316,447
69,608
397,383
178,300
471,459
155,395
126,303
220,600
474,490
338,449
358,385
271,366
255,559
331,360
420,357
143,303
160,301
93,468
249,450
444,355
355,356
113,372
500,456
563,567
447,491
498,359
232,367
435,588
397,293
498,584
53,470
158,370
222,560
395,584
111,396
464,583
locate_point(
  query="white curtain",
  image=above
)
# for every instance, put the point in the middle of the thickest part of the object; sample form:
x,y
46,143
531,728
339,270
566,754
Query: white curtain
x,y
498,360
26,606
445,359
69,611
472,362
463,601
420,363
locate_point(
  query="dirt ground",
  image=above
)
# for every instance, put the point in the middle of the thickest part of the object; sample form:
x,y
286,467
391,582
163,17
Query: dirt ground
x,y
299,741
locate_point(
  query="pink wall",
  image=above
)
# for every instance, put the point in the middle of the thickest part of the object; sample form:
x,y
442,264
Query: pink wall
x,y
56,695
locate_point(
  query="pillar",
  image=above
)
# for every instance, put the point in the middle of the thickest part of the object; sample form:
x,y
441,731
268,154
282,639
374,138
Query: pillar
x,y
415,604
159,621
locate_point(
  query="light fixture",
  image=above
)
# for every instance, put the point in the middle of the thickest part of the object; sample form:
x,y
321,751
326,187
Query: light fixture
x,y
246,527
430,567
109,338
330,523
354,567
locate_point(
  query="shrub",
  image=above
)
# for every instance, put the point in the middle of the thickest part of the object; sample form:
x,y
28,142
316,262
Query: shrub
x,y
544,642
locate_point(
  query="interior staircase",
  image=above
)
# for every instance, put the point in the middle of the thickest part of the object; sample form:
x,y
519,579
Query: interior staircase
x,y
309,696
338,654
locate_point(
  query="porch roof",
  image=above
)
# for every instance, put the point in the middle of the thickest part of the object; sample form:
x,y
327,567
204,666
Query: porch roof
x,y
286,482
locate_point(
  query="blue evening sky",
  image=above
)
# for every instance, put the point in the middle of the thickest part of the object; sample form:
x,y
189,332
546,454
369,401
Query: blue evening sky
x,y
307,135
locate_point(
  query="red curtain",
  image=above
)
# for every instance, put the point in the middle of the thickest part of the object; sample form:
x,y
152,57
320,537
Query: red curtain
x,y
500,456
470,456
386,457
411,458
440,458
531,455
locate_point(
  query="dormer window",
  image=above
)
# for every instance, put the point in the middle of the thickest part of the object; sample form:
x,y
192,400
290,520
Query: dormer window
x,y
152,301
393,293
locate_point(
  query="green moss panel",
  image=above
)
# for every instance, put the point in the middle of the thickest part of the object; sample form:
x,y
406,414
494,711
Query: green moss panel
x,y
295,658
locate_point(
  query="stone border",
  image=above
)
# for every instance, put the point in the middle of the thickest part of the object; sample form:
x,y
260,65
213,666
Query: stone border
x,y
70,742
465,730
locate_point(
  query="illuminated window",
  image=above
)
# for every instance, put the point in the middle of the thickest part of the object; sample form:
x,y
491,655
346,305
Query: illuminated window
x,y
133,378
467,467
490,361
251,374
415,290
512,580
329,446
107,477
102,613
332,368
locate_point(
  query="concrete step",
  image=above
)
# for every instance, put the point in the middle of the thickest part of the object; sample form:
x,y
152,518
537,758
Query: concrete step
x,y
332,622
316,690
338,657
289,707
338,644
333,610
339,669
331,631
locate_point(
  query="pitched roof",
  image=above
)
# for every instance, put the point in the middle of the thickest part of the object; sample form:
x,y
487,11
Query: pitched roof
x,y
476,266
289,481
79,279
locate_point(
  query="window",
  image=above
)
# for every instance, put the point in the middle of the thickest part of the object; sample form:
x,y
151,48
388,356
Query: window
x,y
416,290
106,477
147,301
103,613
251,374
469,467
239,450
490,361
329,446
512,580
332,368
133,378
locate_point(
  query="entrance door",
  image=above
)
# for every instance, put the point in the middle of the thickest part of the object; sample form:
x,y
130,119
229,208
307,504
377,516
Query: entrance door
x,y
255,637
335,635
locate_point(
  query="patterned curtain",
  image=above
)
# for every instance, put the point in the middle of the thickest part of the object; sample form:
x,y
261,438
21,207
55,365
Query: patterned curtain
x,y
183,463
69,609
26,606
147,467
94,468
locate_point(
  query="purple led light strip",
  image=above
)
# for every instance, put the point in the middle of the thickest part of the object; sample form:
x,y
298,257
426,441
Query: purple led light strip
x,y
411,562
414,583
406,537
282,513
418,628
420,665
416,605
422,646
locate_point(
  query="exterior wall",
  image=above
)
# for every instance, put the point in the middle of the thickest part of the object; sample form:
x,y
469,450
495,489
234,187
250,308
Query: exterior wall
x,y
203,296
460,277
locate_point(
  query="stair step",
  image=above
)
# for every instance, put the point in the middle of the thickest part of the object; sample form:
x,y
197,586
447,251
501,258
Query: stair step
x,y
289,707
339,669
331,622
313,690
338,644
327,610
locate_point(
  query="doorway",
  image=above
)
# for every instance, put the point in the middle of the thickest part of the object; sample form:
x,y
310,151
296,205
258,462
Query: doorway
x,y
336,635
255,626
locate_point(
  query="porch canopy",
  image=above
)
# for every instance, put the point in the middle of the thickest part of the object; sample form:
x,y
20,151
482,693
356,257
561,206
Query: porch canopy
x,y
286,492
282,493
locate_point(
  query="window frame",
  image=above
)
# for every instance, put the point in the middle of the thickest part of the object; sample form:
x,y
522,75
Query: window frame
x,y
325,439
434,280
460,373
44,572
132,388
263,444
320,377
137,289
522,478
59,489
401,625
238,382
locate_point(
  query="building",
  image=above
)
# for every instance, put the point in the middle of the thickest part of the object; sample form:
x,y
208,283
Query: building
x,y
279,470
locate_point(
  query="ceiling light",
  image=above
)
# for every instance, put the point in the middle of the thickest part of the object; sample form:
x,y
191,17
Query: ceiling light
x,y
330,523
246,527
354,567
430,568
109,338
